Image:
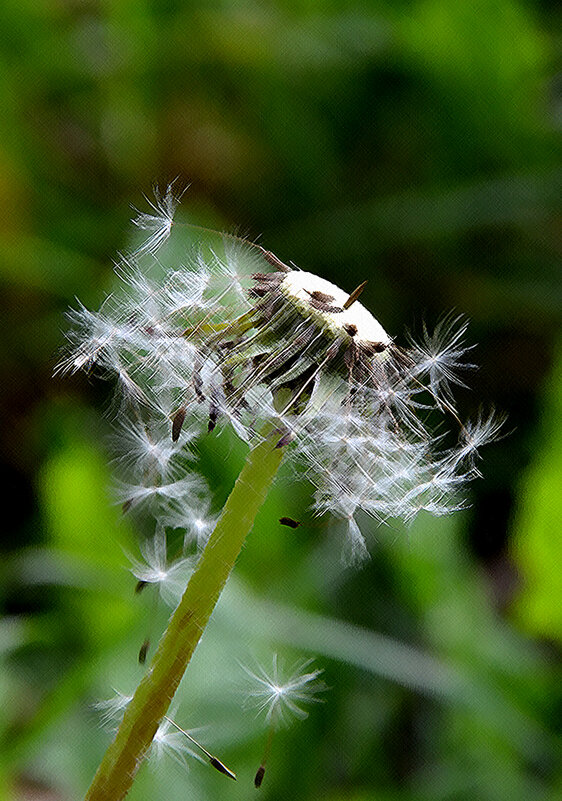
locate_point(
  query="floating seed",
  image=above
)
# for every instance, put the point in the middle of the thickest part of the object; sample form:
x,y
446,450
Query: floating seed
x,y
288,521
258,779
143,652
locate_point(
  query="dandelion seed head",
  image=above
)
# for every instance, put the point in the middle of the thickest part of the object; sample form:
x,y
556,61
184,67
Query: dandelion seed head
x,y
236,338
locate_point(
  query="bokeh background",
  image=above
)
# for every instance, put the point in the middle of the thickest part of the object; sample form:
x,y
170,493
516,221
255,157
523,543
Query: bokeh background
x,y
413,143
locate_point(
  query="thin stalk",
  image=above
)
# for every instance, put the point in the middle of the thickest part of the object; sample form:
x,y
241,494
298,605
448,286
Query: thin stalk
x,y
152,698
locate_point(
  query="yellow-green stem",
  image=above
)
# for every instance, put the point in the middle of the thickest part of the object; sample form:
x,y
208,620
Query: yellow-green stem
x,y
152,698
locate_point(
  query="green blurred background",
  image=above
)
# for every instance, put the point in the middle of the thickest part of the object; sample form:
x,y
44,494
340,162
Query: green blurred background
x,y
413,143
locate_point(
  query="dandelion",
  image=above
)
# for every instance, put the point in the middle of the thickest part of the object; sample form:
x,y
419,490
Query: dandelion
x,y
243,339
295,366
281,696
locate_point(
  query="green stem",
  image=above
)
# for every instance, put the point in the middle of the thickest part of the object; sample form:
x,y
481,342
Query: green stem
x,y
153,695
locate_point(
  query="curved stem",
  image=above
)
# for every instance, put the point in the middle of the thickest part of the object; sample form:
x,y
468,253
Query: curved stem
x,y
152,698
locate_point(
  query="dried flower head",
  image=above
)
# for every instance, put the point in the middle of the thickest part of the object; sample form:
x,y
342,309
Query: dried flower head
x,y
240,338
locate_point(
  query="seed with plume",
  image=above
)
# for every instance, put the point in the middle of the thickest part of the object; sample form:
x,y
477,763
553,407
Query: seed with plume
x,y
281,694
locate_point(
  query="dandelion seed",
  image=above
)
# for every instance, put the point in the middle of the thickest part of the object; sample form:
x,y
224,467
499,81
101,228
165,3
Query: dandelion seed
x,y
169,742
177,423
476,433
160,223
214,761
170,738
352,329
258,778
171,503
169,577
198,524
278,693
285,439
440,356
142,449
281,696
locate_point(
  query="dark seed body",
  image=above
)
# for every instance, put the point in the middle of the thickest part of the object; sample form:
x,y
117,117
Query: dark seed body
x,y
285,439
258,779
354,295
218,765
288,521
272,259
321,297
177,423
143,652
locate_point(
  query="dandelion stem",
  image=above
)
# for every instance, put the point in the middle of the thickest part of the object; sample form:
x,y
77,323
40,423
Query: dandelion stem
x,y
153,695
